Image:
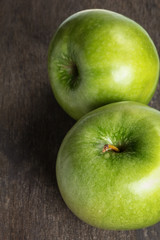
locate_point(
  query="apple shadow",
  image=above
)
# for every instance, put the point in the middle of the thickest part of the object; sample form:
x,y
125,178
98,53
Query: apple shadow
x,y
33,143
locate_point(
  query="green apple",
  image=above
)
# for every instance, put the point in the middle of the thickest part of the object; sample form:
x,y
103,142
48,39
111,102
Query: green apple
x,y
108,167
98,57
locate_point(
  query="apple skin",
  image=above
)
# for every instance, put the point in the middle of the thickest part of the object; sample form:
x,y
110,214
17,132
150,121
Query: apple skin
x,y
98,57
111,190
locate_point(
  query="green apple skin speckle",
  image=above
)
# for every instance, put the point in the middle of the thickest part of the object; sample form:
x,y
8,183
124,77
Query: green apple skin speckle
x,y
111,190
98,57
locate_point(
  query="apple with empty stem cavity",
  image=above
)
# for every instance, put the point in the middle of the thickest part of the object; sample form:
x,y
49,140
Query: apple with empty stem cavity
x,y
98,57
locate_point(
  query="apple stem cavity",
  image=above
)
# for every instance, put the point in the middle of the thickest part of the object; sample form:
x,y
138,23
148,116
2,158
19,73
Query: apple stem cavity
x,y
108,147
68,72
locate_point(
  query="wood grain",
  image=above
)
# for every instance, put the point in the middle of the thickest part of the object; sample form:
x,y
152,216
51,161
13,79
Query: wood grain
x,y
32,125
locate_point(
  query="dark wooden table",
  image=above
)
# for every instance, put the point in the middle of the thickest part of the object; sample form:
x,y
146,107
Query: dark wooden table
x,y
32,125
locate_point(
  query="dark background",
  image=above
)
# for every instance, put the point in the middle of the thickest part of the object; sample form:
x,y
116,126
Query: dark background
x,y
32,124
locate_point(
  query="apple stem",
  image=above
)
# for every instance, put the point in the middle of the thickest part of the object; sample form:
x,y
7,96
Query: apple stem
x,y
108,147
